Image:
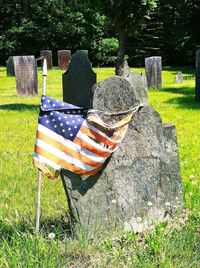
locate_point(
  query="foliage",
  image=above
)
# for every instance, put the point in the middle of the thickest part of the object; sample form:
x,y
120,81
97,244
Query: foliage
x,y
106,50
170,30
126,18
167,245
48,25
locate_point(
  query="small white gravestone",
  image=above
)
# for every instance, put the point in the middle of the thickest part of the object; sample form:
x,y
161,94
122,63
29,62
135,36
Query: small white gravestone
x,y
179,78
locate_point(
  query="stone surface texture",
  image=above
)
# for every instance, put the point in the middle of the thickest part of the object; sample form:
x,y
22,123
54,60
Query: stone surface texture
x,y
64,57
138,83
140,183
78,80
197,84
10,67
48,55
153,67
26,75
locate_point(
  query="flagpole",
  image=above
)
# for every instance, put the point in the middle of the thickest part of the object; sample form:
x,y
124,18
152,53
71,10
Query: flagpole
x,y
44,76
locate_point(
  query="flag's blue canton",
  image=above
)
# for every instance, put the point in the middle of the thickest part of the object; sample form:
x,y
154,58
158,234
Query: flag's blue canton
x,y
62,118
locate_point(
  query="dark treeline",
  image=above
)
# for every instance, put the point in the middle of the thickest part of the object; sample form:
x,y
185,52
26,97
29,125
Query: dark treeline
x,y
171,30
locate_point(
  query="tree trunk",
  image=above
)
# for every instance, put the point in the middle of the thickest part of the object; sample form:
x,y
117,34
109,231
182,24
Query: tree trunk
x,y
121,54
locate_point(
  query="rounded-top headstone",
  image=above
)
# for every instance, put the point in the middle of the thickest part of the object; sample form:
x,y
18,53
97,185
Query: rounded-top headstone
x,y
78,80
114,94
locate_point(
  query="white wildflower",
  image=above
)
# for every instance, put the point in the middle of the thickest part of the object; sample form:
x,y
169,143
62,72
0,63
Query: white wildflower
x,y
192,177
149,204
139,219
51,236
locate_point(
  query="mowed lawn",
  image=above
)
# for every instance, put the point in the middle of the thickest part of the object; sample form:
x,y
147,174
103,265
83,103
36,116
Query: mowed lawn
x,y
177,246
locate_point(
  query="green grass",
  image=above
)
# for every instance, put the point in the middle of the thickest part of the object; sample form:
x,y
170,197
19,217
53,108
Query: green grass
x,y
166,246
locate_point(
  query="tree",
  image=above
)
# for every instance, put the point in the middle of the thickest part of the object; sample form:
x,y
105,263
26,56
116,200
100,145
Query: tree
x,y
126,18
28,26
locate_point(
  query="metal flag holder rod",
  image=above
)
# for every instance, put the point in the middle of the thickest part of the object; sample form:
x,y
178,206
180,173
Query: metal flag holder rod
x,y
44,76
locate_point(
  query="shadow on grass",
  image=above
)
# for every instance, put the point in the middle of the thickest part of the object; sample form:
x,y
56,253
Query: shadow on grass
x,y
19,107
60,227
182,90
185,102
184,69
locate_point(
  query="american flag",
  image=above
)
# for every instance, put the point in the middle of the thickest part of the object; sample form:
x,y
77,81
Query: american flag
x,y
74,138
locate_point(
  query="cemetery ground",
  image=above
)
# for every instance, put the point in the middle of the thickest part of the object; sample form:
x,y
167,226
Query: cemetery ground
x,y
172,244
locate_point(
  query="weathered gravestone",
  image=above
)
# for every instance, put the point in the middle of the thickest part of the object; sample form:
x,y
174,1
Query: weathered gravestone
x,y
64,57
140,183
78,80
10,67
197,86
179,78
153,67
26,75
138,82
48,55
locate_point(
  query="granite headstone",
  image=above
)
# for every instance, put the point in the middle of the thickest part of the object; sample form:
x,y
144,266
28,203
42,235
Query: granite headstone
x,y
10,67
138,82
26,75
48,55
197,85
153,67
78,80
64,57
140,183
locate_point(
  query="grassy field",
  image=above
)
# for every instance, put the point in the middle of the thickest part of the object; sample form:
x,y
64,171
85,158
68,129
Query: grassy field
x,y
176,245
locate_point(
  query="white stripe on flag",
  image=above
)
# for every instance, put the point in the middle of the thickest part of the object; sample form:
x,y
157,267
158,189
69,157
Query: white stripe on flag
x,y
88,125
84,137
70,144
62,155
44,160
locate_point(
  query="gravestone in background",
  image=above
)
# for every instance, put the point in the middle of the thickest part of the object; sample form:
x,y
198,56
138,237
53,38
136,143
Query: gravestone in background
x,y
48,55
10,67
138,82
197,85
26,75
140,183
153,67
179,78
83,50
78,80
64,57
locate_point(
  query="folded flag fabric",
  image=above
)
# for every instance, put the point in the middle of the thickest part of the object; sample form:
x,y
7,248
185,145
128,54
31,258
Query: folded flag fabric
x,y
74,138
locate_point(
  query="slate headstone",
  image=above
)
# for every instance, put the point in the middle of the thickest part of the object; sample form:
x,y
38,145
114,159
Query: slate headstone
x,y
48,55
139,84
10,67
140,183
179,78
64,57
78,80
197,85
153,67
83,50
26,75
